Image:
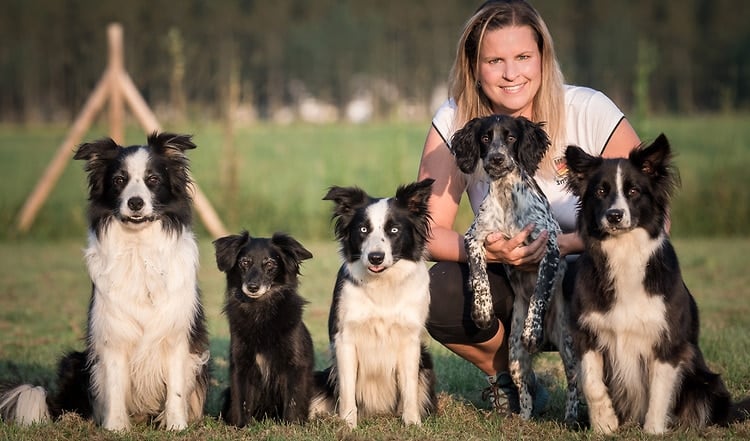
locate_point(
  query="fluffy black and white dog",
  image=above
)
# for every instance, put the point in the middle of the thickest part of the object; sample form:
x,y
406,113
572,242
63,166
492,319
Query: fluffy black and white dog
x,y
271,356
146,356
379,308
635,324
505,152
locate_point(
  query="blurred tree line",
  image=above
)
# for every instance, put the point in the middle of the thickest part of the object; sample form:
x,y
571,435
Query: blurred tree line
x,y
188,57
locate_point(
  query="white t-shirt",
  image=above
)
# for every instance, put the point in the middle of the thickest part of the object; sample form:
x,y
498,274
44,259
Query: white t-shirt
x,y
591,119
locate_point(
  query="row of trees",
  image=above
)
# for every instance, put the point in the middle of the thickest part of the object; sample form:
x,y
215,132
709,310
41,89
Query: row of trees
x,y
187,57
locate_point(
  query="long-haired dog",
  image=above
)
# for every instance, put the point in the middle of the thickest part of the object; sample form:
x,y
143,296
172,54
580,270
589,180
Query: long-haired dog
x,y
635,324
146,355
271,356
505,152
379,308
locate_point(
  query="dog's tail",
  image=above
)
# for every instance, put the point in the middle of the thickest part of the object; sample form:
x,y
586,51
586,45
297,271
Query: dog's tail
x,y
323,401
25,405
740,411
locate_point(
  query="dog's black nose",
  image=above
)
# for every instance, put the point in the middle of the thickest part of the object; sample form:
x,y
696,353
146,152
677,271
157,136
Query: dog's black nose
x,y
376,258
614,216
496,160
135,203
252,287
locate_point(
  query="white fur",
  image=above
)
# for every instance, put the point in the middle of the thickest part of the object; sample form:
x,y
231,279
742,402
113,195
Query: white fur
x,y
29,404
378,343
144,304
629,331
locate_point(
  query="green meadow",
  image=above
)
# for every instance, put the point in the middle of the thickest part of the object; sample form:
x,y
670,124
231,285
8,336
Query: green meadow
x,y
281,174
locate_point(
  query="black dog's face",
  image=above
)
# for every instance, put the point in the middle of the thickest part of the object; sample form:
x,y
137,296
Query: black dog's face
x,y
257,267
502,143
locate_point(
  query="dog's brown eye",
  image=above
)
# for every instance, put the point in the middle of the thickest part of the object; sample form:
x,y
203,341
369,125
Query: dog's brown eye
x,y
245,263
269,265
633,192
152,180
601,192
118,180
510,139
485,139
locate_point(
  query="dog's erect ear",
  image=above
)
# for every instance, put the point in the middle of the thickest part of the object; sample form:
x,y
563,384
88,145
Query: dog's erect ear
x,y
228,248
655,161
580,165
465,146
291,248
415,196
532,146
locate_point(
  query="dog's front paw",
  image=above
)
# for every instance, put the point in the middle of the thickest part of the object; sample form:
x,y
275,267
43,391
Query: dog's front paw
x,y
532,339
117,424
349,417
603,419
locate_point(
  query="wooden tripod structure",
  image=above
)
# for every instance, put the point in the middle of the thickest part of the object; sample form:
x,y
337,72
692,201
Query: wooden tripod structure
x,y
116,86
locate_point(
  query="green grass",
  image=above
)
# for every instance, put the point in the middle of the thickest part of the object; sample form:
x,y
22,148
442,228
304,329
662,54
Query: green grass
x,y
284,171
44,293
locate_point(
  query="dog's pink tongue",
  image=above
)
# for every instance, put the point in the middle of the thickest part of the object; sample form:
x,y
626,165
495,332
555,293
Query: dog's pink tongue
x,y
376,269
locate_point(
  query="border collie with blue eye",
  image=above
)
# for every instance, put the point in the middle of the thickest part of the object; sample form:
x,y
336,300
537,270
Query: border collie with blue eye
x,y
271,352
146,355
634,323
379,308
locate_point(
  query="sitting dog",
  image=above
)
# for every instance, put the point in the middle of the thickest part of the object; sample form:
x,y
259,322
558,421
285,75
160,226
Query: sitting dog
x,y
271,352
147,345
634,322
379,308
505,152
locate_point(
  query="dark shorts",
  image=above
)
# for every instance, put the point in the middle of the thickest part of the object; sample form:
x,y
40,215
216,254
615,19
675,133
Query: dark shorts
x,y
450,302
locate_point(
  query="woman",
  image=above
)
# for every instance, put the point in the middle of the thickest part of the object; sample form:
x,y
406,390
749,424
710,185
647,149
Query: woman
x,y
506,64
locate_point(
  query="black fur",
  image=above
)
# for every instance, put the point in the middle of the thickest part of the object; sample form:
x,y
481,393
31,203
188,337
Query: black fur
x,y
622,222
271,351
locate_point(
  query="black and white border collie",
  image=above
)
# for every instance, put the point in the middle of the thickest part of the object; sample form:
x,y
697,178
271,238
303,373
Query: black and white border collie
x,y
271,356
634,322
146,356
379,308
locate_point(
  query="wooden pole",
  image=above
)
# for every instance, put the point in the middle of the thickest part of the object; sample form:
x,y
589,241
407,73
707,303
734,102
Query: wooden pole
x,y
43,188
116,85
116,67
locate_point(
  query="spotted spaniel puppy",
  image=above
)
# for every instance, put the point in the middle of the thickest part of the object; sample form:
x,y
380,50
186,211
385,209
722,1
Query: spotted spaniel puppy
x,y
505,152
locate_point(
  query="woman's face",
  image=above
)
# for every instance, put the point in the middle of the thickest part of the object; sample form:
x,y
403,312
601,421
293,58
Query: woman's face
x,y
510,69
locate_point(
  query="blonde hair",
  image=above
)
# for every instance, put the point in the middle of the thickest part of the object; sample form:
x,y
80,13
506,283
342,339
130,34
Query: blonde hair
x,y
549,102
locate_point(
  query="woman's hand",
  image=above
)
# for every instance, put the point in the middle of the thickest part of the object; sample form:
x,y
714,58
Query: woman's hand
x,y
513,251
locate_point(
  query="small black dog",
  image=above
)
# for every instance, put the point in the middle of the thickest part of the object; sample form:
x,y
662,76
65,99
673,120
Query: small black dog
x,y
271,351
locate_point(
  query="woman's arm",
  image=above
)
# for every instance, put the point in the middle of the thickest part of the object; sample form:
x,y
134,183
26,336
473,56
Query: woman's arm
x,y
439,164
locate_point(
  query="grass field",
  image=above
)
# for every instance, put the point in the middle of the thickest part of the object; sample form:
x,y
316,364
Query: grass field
x,y
44,289
44,293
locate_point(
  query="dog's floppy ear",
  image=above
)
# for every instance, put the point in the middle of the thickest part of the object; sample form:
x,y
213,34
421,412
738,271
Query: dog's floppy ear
x,y
532,146
163,142
580,165
465,146
98,154
292,249
228,248
347,200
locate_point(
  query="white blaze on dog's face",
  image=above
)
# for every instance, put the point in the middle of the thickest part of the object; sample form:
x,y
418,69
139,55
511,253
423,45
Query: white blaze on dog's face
x,y
377,254
136,180
618,216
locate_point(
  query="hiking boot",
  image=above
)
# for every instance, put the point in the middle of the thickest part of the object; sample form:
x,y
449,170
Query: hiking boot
x,y
502,394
